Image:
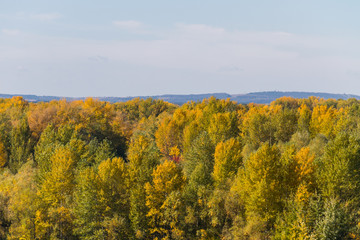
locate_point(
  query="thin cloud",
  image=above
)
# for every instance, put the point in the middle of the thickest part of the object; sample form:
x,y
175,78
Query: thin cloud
x,y
98,58
229,68
130,24
198,51
45,16
21,68
200,28
10,32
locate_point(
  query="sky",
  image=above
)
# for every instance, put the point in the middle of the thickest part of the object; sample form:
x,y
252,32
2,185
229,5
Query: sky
x,y
143,48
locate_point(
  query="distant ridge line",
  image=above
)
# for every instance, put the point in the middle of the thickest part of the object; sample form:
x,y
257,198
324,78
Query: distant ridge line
x,y
265,97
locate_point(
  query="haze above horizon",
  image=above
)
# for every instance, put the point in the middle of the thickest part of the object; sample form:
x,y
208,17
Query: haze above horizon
x,y
137,48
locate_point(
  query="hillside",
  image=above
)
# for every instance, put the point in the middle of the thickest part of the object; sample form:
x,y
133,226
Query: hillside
x,y
254,97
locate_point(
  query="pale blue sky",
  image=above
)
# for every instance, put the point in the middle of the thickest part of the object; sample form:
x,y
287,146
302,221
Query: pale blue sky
x,y
127,48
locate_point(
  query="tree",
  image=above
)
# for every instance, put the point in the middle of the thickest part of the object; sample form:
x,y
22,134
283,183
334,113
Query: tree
x,y
285,124
304,118
222,127
259,184
114,196
87,211
3,155
228,159
170,131
20,144
143,157
54,217
338,174
323,121
21,208
198,168
299,219
335,222
257,125
167,181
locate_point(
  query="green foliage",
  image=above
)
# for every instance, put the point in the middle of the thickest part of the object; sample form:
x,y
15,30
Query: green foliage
x,y
223,126
114,197
88,214
285,124
147,169
299,219
335,222
257,126
200,155
143,157
18,194
259,184
339,174
20,144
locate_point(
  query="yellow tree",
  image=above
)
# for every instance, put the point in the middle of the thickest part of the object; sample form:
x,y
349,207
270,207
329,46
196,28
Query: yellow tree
x,y
228,159
170,131
114,197
40,115
191,132
323,121
3,155
304,118
297,221
20,190
223,126
257,126
259,184
54,217
160,194
305,173
143,156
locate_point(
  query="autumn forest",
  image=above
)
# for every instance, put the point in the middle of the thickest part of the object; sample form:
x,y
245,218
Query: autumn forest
x,y
149,169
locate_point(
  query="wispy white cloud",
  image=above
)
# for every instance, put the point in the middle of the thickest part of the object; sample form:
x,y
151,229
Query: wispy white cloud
x,y
200,28
130,24
10,32
22,68
98,58
229,68
204,48
45,16
195,52
31,16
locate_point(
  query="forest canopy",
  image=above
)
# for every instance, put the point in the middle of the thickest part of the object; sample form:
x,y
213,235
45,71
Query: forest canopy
x,y
149,169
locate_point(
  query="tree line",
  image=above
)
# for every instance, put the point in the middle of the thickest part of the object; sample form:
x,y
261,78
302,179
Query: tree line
x,y
148,169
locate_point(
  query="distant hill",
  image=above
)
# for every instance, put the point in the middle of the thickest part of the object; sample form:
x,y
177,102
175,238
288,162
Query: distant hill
x,y
268,97
255,97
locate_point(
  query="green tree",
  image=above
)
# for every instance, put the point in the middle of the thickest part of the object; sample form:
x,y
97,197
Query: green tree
x,y
223,126
143,157
198,169
87,211
20,144
335,222
339,169
285,124
259,185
